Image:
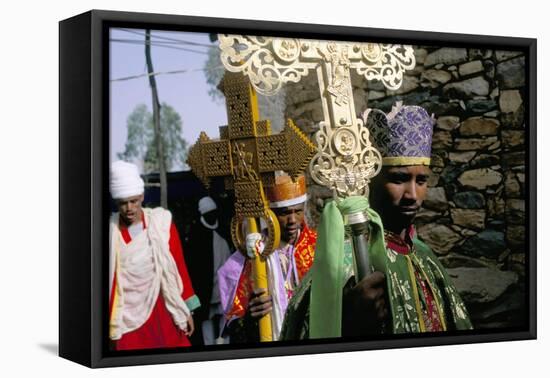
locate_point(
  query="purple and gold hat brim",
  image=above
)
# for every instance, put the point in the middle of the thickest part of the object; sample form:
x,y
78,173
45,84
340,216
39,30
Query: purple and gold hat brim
x,y
405,160
403,137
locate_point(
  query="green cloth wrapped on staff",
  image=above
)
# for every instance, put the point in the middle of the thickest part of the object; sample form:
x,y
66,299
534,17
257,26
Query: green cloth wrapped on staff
x,y
409,290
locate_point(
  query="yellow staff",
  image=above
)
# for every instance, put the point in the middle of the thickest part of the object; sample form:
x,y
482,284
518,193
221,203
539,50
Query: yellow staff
x,y
247,156
259,272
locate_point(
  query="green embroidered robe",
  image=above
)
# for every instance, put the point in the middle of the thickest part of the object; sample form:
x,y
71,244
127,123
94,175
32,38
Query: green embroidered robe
x,y
407,299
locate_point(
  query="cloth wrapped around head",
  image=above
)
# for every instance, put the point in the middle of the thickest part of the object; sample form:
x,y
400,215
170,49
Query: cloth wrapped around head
x,y
286,192
125,180
404,136
206,204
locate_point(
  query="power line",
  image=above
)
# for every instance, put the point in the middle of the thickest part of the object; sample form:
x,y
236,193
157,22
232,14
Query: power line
x,y
157,44
153,42
155,74
169,39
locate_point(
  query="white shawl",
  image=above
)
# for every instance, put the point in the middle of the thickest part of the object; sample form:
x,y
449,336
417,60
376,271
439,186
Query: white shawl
x,y
144,268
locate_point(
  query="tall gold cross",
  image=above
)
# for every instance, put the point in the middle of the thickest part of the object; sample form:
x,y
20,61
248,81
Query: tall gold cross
x,y
345,160
247,156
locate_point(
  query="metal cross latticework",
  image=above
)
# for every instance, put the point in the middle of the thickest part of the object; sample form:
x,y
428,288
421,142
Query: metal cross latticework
x,y
345,160
247,154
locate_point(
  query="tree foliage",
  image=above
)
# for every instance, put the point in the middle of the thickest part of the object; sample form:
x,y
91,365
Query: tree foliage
x,y
140,143
213,70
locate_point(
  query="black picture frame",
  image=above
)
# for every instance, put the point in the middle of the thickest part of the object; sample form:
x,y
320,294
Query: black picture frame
x,y
84,196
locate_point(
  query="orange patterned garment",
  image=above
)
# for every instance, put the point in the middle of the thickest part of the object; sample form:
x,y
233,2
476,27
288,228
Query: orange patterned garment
x,y
304,252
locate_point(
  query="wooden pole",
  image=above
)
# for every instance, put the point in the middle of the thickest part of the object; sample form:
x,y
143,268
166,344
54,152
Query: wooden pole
x,y
156,122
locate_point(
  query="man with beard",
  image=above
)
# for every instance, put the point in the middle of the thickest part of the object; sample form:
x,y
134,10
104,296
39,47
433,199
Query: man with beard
x,y
244,304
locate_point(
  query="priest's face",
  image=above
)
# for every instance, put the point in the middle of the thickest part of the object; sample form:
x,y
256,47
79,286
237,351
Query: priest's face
x,y
290,220
397,194
130,209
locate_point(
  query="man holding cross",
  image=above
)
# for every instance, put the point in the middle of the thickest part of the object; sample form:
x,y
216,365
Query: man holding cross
x,y
286,266
417,294
409,290
247,156
429,301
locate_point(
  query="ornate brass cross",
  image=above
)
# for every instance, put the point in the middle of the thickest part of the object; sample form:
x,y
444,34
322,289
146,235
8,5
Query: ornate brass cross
x,y
345,159
247,156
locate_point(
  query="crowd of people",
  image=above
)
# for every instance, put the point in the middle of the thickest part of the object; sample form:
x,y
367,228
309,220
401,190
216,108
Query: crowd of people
x,y
162,296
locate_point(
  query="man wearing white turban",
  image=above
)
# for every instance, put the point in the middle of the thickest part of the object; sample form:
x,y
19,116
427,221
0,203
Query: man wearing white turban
x,y
151,296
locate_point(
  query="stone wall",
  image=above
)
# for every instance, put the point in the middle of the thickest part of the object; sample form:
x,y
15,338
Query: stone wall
x,y
474,215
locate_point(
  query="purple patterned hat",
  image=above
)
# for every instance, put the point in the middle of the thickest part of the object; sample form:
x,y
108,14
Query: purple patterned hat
x,y
404,136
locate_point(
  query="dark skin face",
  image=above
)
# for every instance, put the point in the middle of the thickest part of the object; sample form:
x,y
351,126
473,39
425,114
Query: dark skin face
x,y
397,194
130,209
290,220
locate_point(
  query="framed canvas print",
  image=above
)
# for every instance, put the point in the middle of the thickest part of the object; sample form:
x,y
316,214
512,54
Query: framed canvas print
x,y
234,188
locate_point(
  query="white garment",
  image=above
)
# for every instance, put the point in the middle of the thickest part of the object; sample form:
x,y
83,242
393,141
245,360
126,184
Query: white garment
x,y
135,229
209,335
221,254
144,268
274,282
282,273
208,225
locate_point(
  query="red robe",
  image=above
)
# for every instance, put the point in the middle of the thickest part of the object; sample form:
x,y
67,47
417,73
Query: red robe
x,y
160,331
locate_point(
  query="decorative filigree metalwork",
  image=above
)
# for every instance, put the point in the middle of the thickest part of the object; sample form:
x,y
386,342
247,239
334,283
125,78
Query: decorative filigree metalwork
x,y
247,156
271,62
345,160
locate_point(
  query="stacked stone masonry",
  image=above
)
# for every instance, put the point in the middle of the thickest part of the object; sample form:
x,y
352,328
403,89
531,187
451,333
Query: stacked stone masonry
x,y
474,215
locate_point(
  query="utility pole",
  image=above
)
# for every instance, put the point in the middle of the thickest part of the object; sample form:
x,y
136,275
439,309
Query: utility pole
x,y
156,122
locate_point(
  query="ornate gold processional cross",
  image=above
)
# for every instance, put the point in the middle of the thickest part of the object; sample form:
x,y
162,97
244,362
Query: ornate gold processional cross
x,y
247,156
345,160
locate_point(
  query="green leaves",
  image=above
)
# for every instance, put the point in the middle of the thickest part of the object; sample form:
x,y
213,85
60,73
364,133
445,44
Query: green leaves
x,y
140,142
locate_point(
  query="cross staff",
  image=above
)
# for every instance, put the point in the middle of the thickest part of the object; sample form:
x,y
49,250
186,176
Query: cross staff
x,y
247,156
345,160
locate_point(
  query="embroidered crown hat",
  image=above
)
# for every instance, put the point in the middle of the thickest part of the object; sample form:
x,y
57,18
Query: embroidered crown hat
x,y
403,136
286,192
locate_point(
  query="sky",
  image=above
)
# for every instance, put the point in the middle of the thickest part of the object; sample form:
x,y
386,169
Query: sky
x,y
186,92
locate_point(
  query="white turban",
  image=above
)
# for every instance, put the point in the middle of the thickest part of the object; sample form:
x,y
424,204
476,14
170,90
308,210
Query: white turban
x,y
125,180
206,204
